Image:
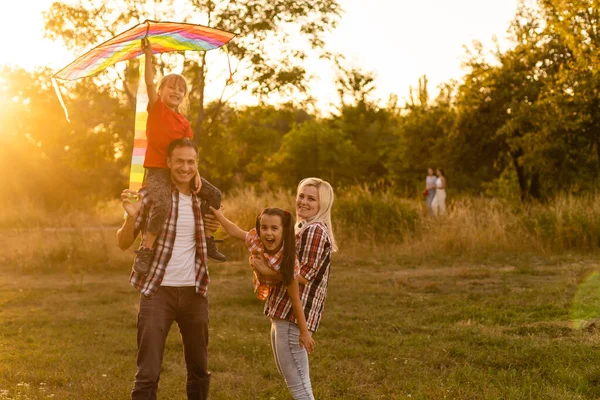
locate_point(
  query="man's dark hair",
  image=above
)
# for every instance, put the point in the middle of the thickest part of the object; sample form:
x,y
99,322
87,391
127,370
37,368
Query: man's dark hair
x,y
185,142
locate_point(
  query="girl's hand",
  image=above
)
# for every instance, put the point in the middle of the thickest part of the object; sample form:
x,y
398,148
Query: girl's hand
x,y
218,213
306,341
147,47
197,183
132,202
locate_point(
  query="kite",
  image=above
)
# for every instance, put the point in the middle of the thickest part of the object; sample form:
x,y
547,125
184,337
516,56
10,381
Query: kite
x,y
164,37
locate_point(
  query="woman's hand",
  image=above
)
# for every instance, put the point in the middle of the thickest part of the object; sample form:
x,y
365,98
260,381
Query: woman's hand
x,y
259,265
306,341
132,202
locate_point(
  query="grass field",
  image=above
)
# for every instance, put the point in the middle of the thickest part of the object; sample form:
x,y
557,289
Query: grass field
x,y
395,327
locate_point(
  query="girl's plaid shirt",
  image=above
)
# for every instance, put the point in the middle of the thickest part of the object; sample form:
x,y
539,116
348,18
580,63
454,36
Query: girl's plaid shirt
x,y
163,247
256,247
314,254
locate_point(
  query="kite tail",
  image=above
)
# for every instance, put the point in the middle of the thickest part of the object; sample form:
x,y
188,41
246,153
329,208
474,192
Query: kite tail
x,y
60,99
228,63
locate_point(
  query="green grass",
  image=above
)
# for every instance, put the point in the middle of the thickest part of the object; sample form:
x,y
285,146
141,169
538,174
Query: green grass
x,y
394,327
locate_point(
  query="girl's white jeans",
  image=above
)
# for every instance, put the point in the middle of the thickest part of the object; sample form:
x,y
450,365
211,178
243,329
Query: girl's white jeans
x,y
290,358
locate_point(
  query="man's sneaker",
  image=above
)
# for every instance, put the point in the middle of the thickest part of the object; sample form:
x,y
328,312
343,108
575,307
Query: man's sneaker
x,y
213,252
141,265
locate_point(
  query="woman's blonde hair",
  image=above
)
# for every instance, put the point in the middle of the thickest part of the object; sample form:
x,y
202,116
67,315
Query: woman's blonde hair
x,y
178,80
326,198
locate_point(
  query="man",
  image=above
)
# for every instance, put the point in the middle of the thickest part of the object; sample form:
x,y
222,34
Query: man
x,y
176,285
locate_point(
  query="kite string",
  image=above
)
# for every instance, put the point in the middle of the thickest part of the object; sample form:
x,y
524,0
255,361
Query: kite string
x,y
60,99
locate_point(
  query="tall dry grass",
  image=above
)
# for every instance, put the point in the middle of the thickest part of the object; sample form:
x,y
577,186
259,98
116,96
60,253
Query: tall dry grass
x,y
474,227
366,224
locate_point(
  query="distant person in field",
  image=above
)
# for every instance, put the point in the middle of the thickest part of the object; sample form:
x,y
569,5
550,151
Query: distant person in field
x,y
439,201
175,287
165,124
274,238
315,244
430,183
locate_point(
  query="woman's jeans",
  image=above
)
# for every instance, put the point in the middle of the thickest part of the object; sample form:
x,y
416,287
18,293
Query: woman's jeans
x,y
430,196
290,358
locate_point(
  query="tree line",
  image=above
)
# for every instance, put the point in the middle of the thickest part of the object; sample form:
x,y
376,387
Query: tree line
x,y
521,123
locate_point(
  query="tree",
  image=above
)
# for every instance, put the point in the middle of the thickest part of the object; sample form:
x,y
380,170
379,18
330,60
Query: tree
x,y
266,64
314,148
422,133
49,160
368,126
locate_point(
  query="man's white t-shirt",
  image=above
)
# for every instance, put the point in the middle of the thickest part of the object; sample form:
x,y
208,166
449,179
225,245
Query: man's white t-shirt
x,y
181,269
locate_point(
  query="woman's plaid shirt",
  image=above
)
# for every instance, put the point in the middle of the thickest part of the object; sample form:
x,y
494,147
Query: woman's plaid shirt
x,y
163,246
314,253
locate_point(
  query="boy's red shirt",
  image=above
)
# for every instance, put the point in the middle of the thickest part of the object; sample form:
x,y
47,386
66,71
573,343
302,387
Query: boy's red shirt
x,y
163,126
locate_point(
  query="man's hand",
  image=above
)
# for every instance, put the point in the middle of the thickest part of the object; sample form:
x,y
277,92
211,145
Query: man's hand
x,y
132,202
197,183
210,224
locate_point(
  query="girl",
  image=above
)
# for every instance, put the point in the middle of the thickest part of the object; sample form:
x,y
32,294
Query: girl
x,y
439,201
274,238
164,125
315,243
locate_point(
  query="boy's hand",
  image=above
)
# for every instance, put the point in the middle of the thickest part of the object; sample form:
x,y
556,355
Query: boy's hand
x,y
147,47
132,202
307,342
197,183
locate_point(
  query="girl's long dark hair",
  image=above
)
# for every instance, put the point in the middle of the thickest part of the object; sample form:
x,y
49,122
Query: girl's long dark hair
x,y
289,242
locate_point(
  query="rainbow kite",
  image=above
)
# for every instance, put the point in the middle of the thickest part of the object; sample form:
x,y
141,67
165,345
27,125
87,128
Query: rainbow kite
x,y
164,37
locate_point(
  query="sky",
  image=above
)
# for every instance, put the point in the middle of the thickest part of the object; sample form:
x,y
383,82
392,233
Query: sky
x,y
398,40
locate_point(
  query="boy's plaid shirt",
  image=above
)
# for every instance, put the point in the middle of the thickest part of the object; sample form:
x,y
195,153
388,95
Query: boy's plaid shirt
x,y
163,246
314,254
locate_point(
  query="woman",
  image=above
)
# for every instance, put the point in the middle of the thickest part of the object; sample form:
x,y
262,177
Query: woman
x,y
430,187
315,243
439,201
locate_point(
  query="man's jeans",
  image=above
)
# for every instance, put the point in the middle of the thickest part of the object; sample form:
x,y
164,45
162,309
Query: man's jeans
x,y
291,359
157,313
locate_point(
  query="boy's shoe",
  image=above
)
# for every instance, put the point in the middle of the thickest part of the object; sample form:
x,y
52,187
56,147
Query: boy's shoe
x,y
213,252
141,265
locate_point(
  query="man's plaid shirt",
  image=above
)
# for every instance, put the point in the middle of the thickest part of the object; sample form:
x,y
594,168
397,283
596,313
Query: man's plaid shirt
x,y
314,254
163,246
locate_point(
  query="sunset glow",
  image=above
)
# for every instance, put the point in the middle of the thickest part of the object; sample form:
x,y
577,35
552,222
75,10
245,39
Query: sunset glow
x,y
399,41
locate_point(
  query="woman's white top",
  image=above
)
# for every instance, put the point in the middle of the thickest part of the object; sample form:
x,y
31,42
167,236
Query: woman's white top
x,y
430,182
439,184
